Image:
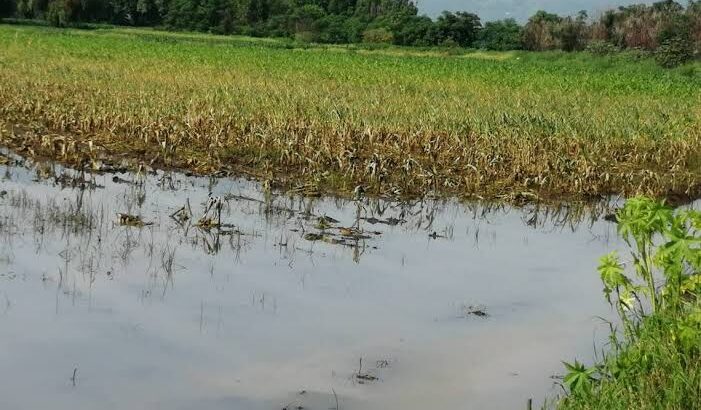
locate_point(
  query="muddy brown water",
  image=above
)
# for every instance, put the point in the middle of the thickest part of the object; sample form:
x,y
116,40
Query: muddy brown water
x,y
447,305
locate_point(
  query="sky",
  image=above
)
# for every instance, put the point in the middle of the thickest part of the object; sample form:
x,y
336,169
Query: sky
x,y
519,9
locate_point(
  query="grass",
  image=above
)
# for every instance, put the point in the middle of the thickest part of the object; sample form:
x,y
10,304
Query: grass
x,y
660,373
654,361
397,121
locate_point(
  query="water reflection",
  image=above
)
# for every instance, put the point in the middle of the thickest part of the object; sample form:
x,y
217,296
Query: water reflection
x,y
283,301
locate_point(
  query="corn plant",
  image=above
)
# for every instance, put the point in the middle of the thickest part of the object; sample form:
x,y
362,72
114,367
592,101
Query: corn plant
x,y
510,126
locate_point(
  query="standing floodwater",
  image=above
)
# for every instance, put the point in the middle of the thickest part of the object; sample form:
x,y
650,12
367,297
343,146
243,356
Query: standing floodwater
x,y
291,302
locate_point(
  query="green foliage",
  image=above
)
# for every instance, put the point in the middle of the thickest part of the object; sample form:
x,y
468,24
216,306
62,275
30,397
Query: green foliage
x,y
500,35
410,30
579,378
333,29
674,52
646,26
306,37
643,220
666,25
539,33
545,31
378,36
602,48
305,18
60,12
658,362
611,272
461,27
572,33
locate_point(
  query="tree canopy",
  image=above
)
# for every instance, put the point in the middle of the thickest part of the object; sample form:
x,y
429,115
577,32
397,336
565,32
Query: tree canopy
x,y
666,23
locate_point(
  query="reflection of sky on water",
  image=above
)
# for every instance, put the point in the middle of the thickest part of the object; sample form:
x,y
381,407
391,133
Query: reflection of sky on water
x,y
251,325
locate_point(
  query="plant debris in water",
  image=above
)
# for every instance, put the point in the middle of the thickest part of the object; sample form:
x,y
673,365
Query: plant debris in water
x,y
364,377
131,220
473,311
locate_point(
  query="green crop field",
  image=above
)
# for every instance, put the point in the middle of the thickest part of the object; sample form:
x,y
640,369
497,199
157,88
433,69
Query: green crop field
x,y
396,121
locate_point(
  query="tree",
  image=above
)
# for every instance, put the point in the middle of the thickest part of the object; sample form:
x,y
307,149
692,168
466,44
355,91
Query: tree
x,y
342,7
30,8
370,10
180,15
332,29
150,12
573,33
500,35
539,32
643,26
666,27
354,28
306,17
60,13
258,10
416,31
694,13
461,27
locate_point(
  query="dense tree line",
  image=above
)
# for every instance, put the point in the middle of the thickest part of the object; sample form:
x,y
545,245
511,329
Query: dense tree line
x,y
667,28
665,24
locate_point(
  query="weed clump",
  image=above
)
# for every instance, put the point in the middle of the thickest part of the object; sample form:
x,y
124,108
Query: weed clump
x,y
675,52
655,359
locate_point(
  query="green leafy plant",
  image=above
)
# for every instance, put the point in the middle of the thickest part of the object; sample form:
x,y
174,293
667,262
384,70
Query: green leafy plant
x,y
579,378
656,361
665,245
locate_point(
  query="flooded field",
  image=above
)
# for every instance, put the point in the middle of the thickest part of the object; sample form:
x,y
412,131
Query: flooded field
x,y
159,290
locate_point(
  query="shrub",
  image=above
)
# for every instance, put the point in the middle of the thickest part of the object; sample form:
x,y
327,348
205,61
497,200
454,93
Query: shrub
x,y
674,52
378,36
449,43
306,37
638,53
602,48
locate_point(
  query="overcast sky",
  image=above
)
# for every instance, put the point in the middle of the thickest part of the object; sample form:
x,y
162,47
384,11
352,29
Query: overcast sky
x,y
518,9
